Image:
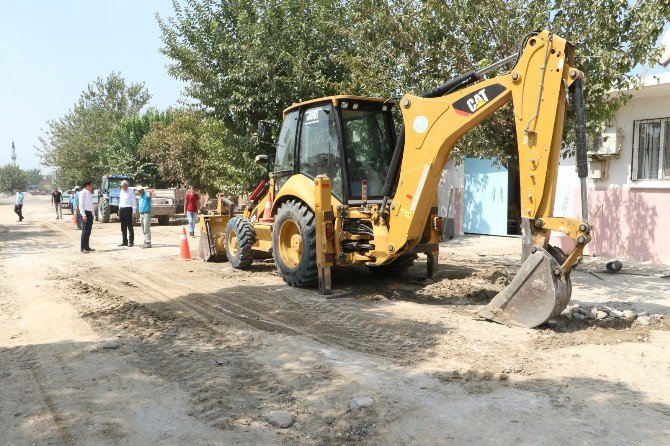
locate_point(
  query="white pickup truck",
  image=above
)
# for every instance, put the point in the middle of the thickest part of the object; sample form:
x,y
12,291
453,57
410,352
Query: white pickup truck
x,y
167,203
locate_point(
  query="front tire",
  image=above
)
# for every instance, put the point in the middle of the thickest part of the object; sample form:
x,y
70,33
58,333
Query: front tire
x,y
239,237
104,210
294,244
163,220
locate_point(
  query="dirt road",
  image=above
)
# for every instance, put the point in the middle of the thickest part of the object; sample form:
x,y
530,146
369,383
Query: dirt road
x,y
130,346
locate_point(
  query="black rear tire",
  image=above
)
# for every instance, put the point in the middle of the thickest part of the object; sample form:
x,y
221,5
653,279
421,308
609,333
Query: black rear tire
x,y
163,220
304,272
397,267
239,238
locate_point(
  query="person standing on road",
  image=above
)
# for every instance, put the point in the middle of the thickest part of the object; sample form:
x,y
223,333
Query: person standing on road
x,y
127,207
191,207
75,207
86,210
18,204
56,197
144,208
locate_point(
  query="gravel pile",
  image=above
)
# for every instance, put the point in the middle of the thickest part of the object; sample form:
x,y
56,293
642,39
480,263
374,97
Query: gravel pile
x,y
603,313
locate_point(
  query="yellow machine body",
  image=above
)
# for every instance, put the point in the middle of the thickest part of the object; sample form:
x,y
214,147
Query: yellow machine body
x,y
385,235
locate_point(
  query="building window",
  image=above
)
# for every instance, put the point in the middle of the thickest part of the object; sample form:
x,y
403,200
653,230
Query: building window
x,y
651,149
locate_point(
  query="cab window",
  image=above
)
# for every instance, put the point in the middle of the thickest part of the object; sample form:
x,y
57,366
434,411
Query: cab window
x,y
369,150
286,143
285,149
319,146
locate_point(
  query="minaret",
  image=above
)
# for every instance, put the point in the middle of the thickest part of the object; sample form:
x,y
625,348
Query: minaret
x,y
13,154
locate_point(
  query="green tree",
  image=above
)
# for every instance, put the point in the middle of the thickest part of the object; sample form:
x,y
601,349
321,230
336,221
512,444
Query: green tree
x,y
198,150
246,60
35,177
122,154
425,43
77,143
11,177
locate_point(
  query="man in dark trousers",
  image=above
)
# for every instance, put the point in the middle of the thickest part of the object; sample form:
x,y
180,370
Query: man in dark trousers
x,y
86,210
56,197
18,203
127,206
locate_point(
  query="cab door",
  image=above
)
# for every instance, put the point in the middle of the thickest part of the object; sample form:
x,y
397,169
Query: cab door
x,y
284,165
320,148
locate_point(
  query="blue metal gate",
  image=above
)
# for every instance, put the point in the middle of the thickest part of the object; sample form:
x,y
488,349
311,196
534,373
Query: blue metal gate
x,y
485,197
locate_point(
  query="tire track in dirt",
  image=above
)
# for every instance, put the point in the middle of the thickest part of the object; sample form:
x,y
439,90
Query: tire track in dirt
x,y
34,370
328,321
229,388
279,309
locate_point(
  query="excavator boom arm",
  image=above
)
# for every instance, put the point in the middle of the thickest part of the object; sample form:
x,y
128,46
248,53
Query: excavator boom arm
x,y
537,87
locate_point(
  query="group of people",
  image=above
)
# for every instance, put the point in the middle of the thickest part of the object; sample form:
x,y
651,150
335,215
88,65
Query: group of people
x,y
131,200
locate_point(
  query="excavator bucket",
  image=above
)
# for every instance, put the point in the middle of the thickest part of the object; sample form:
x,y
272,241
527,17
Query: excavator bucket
x,y
538,292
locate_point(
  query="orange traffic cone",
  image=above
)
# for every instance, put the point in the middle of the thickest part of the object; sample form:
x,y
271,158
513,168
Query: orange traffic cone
x,y
185,252
267,212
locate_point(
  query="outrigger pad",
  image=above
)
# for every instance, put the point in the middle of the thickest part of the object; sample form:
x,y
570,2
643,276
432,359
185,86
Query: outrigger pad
x,y
534,296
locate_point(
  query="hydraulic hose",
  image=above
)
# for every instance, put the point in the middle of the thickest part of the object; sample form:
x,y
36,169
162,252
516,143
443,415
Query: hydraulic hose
x,y
392,175
580,141
447,87
393,168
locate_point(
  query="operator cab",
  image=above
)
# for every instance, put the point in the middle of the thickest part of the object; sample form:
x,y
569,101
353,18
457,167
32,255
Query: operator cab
x,y
114,182
348,138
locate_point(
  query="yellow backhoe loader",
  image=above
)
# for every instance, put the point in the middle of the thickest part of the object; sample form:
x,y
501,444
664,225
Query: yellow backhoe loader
x,y
346,189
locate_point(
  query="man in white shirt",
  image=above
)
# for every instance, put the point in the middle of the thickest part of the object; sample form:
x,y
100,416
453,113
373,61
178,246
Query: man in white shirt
x,y
127,206
86,210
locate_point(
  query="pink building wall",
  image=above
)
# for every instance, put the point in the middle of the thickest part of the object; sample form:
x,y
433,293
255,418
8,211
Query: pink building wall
x,y
632,224
635,216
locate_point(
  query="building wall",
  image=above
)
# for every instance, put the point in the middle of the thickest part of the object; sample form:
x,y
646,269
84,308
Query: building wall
x,y
631,215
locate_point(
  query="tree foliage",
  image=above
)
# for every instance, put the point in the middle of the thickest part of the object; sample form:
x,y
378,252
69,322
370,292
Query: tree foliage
x,y
11,177
430,41
78,143
122,154
35,177
199,150
245,60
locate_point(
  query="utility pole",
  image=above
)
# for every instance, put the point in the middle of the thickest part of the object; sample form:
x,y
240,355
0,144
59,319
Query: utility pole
x,y
13,153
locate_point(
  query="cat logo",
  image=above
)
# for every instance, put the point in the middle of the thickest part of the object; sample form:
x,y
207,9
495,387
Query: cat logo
x,y
477,101
473,102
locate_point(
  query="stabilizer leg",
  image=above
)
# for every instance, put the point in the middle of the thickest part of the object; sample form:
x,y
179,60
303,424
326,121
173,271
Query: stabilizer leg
x,y
432,266
325,286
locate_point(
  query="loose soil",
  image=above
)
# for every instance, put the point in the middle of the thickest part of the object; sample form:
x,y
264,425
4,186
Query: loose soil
x,y
203,352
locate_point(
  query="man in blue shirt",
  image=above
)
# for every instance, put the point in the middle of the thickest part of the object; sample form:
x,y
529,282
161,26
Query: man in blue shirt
x,y
144,208
18,204
75,207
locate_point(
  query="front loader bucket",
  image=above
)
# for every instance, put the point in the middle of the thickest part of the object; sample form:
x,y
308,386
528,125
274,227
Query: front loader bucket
x,y
538,292
211,247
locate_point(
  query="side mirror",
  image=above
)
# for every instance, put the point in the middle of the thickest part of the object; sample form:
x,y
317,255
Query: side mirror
x,y
263,131
262,159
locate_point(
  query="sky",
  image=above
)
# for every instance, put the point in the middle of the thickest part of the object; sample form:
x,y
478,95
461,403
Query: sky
x,y
51,50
